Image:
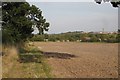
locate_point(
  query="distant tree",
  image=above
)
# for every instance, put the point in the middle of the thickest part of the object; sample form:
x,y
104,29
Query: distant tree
x,y
18,20
118,38
93,38
52,38
118,30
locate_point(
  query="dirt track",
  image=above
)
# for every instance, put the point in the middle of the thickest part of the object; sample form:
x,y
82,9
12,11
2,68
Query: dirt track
x,y
81,60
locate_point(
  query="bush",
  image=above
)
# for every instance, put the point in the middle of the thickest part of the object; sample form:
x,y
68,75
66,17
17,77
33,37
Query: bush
x,y
30,57
94,39
73,36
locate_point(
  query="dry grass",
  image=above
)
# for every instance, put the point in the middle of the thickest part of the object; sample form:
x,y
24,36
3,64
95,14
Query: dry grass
x,y
12,68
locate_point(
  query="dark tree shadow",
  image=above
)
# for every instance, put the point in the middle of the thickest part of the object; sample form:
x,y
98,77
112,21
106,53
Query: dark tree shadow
x,y
37,58
28,58
2,54
58,55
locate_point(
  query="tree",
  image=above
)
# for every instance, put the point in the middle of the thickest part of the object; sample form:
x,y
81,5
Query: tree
x,y
18,20
118,38
38,19
119,31
115,3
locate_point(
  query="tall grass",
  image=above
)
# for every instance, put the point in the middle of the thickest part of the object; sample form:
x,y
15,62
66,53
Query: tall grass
x,y
13,68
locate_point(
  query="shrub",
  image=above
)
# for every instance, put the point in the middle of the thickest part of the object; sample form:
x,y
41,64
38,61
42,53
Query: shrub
x,y
30,57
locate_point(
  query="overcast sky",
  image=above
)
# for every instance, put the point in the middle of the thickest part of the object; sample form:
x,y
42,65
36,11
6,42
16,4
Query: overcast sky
x,y
79,16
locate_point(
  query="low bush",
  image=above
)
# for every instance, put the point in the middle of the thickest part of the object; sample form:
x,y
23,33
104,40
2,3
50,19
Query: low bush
x,y
30,57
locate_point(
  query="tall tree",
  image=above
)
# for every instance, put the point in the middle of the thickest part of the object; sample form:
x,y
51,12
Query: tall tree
x,y
18,20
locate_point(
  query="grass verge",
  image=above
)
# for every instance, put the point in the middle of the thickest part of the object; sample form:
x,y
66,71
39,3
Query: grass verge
x,y
13,68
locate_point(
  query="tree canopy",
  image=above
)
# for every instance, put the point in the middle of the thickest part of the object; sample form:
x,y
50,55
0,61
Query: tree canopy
x,y
18,19
115,3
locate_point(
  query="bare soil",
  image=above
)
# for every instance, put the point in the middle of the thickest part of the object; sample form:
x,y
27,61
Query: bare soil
x,y
81,60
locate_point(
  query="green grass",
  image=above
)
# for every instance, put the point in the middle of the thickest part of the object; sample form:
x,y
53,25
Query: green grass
x,y
30,50
31,69
46,69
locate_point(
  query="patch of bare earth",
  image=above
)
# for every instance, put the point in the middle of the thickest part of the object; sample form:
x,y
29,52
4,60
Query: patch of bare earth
x,y
91,60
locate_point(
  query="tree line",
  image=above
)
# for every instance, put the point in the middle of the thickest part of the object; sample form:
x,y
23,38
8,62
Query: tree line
x,y
79,37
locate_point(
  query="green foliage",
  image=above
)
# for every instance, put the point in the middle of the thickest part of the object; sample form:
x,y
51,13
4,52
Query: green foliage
x,y
118,38
94,38
18,20
32,50
37,38
30,54
30,57
77,36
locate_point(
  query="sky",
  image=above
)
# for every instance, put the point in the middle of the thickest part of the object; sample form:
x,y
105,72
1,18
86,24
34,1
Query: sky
x,y
78,16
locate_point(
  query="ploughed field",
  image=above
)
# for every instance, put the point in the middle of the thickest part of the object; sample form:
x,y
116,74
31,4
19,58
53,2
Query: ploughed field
x,y
81,60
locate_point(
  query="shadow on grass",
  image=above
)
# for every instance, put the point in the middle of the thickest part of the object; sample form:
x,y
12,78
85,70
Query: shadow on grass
x,y
28,58
58,55
37,58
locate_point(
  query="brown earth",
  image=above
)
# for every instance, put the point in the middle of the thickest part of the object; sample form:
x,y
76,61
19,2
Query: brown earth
x,y
81,60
